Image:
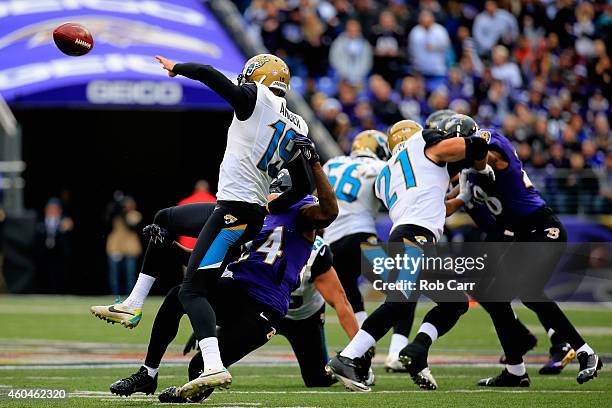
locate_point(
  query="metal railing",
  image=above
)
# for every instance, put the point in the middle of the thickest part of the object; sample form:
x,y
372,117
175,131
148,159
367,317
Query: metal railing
x,y
11,165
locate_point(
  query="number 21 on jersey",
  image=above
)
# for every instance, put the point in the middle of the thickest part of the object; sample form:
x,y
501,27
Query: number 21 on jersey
x,y
384,178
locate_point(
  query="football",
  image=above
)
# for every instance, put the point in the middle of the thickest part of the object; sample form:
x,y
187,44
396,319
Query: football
x,y
73,39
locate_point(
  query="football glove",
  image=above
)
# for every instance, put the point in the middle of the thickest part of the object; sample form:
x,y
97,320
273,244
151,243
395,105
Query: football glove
x,y
155,233
307,148
465,187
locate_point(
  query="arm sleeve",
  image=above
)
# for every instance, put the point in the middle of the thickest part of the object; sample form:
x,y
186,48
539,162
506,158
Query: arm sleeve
x,y
302,183
323,261
242,98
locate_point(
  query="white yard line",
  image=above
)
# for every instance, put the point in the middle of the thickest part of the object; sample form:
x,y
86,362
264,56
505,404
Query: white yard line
x,y
103,394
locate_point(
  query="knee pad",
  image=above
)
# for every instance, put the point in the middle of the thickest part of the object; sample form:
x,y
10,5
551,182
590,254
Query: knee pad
x,y
162,217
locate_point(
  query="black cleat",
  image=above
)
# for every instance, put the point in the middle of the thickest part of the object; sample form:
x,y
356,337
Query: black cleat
x,y
560,355
414,358
528,343
505,379
589,365
365,366
348,372
171,395
140,381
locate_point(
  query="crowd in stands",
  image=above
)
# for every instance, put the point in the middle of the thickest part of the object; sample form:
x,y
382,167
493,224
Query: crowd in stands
x,y
538,70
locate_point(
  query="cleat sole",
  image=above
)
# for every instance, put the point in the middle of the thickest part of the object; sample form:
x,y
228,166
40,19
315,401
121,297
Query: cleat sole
x,y
124,323
194,389
352,385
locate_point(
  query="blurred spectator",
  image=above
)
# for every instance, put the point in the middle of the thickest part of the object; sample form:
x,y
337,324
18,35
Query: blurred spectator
x,y
53,247
123,246
317,41
413,102
388,40
351,54
201,194
492,26
604,175
366,13
384,107
428,44
504,70
557,157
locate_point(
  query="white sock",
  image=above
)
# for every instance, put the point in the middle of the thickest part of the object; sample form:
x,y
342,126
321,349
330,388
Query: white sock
x,y
516,369
586,348
359,345
140,291
361,317
210,353
550,333
398,342
151,371
430,330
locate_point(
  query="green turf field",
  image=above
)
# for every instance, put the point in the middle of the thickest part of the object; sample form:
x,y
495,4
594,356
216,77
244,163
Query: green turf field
x,y
53,343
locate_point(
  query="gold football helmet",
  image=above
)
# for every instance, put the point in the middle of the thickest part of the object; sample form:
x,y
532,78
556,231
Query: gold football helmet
x,y
371,143
268,70
402,131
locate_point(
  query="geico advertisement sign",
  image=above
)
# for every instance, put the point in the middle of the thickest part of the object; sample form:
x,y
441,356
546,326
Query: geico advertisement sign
x,y
134,92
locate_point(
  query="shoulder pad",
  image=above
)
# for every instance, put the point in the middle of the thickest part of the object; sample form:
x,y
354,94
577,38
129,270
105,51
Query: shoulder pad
x,y
432,137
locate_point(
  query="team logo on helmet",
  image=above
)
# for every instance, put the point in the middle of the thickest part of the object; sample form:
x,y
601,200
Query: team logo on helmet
x,y
371,143
268,70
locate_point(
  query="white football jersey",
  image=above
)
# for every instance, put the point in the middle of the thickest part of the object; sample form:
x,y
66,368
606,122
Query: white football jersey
x,y
257,148
353,178
413,187
310,300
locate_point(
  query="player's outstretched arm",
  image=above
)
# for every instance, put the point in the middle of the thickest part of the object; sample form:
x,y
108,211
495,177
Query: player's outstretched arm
x,y
331,289
472,148
316,216
242,98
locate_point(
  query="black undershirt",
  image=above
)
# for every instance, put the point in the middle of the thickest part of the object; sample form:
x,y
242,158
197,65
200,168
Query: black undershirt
x,y
322,262
241,97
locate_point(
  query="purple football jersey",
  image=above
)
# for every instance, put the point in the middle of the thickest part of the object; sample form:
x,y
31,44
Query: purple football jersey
x,y
269,269
511,197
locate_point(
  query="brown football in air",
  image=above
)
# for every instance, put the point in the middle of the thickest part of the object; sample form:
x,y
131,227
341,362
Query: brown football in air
x,y
73,39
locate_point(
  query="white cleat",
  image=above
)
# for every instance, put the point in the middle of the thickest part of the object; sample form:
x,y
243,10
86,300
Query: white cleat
x,y
394,365
208,379
118,313
425,380
371,380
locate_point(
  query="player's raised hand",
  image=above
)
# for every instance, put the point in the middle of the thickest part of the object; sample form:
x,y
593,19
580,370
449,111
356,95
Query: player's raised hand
x,y
307,148
465,187
167,64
